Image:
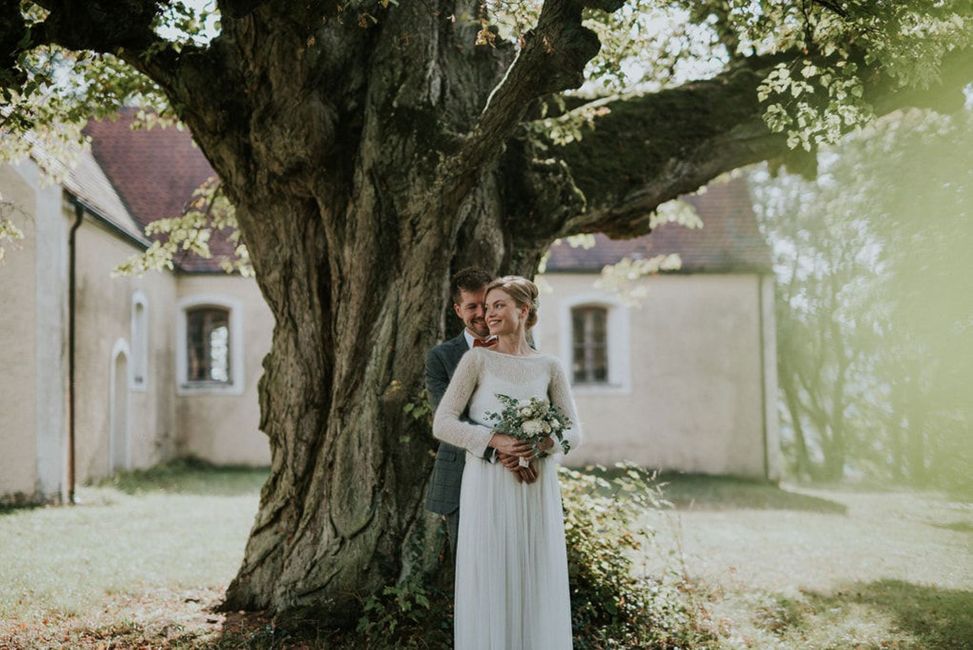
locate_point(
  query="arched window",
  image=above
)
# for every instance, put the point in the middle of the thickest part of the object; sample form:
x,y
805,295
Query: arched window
x,y
589,344
209,340
140,341
119,431
208,344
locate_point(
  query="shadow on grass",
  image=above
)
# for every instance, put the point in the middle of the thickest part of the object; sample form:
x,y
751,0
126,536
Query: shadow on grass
x,y
190,476
236,631
938,618
700,491
958,526
13,508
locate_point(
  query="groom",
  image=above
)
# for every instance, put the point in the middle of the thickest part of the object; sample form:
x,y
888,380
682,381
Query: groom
x,y
466,289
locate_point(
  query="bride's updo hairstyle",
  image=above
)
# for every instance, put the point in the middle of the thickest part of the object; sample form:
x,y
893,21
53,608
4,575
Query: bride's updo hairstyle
x,y
523,291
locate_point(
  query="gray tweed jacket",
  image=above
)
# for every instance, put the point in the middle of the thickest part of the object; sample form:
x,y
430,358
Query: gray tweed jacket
x,y
447,474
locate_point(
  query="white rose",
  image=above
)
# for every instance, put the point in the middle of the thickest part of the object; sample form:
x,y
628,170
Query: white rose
x,y
533,427
547,428
526,412
555,425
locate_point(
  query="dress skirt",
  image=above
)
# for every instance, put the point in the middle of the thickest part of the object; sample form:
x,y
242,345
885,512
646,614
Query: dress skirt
x,y
511,563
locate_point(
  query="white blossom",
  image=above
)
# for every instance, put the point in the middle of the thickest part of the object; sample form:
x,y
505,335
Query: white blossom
x,y
533,427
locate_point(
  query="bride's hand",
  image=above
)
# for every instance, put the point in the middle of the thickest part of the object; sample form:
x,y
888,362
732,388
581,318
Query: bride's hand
x,y
509,445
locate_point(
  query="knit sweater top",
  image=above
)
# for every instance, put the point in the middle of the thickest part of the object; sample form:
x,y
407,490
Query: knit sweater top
x,y
481,375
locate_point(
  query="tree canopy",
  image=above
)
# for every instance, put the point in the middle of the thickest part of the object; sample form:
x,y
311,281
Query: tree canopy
x,y
810,69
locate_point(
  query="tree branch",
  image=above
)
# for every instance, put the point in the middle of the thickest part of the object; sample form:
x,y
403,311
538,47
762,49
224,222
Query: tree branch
x,y
651,148
648,149
101,26
832,7
237,8
13,34
552,58
123,29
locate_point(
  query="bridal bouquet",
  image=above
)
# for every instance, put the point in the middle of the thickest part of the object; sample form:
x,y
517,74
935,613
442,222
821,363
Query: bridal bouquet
x,y
531,421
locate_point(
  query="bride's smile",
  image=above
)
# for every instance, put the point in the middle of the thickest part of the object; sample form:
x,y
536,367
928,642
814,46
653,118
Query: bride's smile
x,y
503,316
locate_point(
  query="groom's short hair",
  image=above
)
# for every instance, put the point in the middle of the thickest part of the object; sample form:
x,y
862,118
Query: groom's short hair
x,y
470,279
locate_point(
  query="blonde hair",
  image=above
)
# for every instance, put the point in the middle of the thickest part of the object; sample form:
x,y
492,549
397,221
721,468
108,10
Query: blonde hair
x,y
522,291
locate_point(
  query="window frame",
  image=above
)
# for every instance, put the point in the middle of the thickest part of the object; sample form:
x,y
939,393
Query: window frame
x,y
617,342
120,348
234,385
139,358
589,311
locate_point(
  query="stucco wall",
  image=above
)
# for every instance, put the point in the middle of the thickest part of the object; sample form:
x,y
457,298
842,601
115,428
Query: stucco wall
x,y
223,427
691,396
104,326
18,451
32,350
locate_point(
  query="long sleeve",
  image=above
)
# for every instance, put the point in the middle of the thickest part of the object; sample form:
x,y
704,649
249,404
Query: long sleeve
x,y
560,395
447,424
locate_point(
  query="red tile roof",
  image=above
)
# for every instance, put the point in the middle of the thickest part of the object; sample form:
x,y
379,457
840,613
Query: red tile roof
x,y
155,172
728,241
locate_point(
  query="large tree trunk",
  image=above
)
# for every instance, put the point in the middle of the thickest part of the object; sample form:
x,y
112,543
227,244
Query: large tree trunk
x,y
355,308
356,204
341,513
353,258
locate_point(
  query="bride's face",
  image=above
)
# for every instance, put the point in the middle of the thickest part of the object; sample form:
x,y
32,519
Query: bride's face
x,y
503,316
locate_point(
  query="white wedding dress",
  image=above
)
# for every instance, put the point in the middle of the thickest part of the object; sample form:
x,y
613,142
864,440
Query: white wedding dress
x,y
511,563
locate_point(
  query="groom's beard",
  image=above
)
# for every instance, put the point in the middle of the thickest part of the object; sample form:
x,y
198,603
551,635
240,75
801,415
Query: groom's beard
x,y
479,328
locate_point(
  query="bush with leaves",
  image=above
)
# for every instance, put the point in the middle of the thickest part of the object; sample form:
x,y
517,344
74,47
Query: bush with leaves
x,y
612,607
410,615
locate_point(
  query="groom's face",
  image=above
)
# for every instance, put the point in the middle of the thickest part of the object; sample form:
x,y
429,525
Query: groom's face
x,y
471,311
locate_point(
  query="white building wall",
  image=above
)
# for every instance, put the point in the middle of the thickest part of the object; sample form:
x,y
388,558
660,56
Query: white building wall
x,y
772,430
694,397
104,323
18,343
692,381
51,345
221,425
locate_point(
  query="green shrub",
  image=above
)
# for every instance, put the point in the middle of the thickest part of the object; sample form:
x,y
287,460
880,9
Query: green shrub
x,y
611,607
411,615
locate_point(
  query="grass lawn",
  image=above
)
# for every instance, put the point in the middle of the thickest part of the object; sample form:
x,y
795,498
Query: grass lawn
x,y
142,560
795,567
142,557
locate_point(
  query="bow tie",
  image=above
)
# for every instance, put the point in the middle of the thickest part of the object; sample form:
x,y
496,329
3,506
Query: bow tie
x,y
480,343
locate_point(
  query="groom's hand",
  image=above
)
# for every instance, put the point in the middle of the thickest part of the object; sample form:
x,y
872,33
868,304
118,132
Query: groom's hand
x,y
509,461
512,446
528,474
524,474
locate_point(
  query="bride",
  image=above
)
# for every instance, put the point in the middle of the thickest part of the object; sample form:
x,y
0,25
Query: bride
x,y
511,561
